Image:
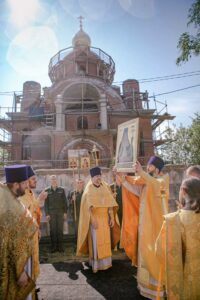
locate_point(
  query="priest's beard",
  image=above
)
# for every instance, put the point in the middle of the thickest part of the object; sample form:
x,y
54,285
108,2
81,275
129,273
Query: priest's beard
x,y
32,185
151,173
20,191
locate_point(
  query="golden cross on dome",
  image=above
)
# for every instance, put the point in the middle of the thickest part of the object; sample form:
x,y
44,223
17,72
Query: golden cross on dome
x,y
81,23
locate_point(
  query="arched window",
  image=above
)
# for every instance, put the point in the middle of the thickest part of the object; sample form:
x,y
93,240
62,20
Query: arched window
x,y
81,68
82,122
37,147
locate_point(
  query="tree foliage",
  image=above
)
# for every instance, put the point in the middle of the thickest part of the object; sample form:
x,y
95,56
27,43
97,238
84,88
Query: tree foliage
x,y
190,44
176,149
183,144
195,139
3,155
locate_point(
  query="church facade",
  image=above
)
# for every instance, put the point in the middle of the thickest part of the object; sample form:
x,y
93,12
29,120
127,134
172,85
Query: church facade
x,y
79,111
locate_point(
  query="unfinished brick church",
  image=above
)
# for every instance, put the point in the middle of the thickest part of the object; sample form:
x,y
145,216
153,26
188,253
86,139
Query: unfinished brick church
x,y
81,109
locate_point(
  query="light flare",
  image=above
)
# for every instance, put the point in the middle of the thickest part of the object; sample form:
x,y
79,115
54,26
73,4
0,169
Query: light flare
x,y
30,51
143,9
23,12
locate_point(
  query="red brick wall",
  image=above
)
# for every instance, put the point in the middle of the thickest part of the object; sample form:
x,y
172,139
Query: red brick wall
x,y
71,121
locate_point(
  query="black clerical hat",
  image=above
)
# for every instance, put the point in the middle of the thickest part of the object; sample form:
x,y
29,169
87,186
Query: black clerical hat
x,y
95,171
157,162
16,173
30,171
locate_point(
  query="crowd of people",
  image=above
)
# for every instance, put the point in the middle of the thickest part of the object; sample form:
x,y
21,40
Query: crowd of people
x,y
132,214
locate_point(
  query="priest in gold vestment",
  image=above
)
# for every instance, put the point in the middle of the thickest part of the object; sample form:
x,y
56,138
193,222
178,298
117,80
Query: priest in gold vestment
x,y
32,204
178,245
17,229
145,201
99,229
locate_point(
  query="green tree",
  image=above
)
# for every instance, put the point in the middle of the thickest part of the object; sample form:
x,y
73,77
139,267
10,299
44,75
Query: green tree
x,y
3,155
183,144
190,44
195,139
177,149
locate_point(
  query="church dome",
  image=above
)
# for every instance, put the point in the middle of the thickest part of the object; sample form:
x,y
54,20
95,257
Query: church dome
x,y
81,38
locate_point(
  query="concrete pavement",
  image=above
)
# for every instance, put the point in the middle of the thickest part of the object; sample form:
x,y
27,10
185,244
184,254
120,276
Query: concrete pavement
x,y
65,276
75,280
